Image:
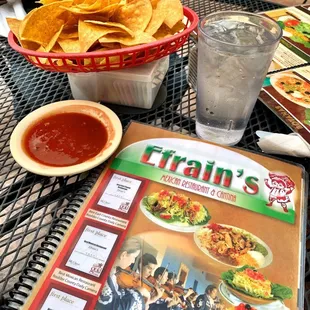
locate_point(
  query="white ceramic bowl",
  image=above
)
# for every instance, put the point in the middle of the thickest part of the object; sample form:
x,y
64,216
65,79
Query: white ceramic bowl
x,y
96,110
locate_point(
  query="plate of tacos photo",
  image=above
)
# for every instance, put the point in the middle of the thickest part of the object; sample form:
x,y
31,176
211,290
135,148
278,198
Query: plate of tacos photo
x,y
292,87
252,287
174,211
233,246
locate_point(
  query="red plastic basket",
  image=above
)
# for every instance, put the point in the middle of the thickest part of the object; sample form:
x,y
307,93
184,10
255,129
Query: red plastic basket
x,y
126,57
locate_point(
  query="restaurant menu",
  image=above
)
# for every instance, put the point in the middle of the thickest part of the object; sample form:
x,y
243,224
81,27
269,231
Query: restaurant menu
x,y
294,47
286,90
287,94
177,222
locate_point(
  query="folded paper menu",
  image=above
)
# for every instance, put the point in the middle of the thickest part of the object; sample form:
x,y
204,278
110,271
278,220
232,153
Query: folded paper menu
x,y
195,216
287,94
294,47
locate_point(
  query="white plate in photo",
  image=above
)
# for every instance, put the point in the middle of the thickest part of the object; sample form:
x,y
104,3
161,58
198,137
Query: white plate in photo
x,y
235,301
205,230
297,96
175,226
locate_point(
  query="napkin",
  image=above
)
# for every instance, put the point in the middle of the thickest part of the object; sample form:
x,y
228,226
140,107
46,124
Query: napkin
x,y
281,144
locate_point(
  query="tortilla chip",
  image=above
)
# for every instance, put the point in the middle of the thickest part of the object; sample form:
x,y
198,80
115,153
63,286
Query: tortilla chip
x,y
88,61
175,13
29,45
69,45
112,60
70,33
97,60
41,24
111,46
120,2
103,60
164,31
14,25
72,20
54,39
140,38
39,59
57,48
45,2
95,17
179,26
111,24
89,33
158,16
25,20
108,9
60,62
95,6
135,15
154,3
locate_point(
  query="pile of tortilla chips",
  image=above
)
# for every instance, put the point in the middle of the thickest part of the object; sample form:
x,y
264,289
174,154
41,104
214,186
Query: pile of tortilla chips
x,y
78,26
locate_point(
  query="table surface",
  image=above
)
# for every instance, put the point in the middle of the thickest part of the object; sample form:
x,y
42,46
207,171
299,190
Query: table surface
x,y
30,205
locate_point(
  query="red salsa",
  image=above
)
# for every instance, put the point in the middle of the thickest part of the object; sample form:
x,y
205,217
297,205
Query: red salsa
x,y
65,139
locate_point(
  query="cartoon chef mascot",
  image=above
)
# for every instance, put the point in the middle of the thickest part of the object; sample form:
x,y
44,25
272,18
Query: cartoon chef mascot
x,y
281,186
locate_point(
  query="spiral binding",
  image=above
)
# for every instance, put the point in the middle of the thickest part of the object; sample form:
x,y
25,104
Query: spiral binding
x,y
40,259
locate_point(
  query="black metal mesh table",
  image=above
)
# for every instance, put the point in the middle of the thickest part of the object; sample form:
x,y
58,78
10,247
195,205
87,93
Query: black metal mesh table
x,y
30,205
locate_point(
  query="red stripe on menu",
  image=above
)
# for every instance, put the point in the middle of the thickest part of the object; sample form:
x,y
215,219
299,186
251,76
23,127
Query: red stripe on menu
x,y
68,247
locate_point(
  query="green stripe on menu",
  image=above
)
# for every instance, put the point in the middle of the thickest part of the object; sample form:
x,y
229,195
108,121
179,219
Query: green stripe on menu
x,y
247,202
266,82
296,50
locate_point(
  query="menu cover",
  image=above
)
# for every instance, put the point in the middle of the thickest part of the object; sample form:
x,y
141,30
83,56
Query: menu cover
x,y
287,94
177,223
294,47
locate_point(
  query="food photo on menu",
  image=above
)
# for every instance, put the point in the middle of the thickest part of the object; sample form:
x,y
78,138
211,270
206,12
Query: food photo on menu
x,y
171,222
295,23
175,210
294,46
287,94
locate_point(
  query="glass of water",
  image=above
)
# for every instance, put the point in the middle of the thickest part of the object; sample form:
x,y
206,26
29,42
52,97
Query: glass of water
x,y
235,50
